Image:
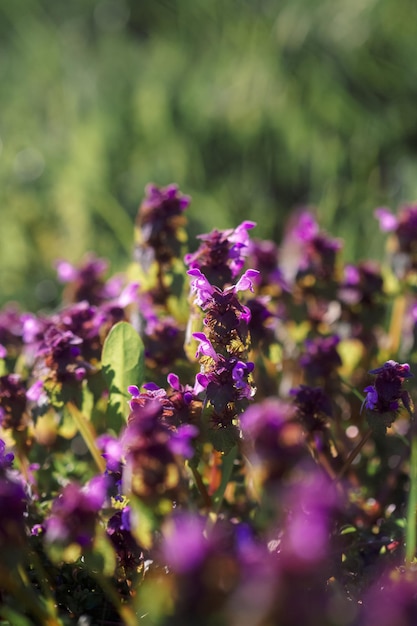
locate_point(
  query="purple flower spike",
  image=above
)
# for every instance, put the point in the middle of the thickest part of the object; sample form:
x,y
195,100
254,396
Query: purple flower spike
x,y
386,395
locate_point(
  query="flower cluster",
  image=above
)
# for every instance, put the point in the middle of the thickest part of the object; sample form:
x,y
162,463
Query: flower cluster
x,y
248,481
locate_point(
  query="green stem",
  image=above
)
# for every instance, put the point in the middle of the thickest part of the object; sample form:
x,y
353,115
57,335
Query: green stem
x,y
352,456
227,469
352,388
410,547
201,487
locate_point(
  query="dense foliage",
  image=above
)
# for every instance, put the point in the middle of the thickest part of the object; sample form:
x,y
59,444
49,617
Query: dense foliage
x,y
217,437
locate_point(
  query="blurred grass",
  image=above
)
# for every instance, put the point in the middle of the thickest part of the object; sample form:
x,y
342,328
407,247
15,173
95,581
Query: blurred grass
x,y
252,106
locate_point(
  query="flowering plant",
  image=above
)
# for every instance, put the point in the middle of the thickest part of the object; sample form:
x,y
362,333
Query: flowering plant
x,y
190,442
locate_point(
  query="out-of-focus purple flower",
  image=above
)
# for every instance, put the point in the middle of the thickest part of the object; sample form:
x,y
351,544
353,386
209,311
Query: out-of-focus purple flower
x,y
74,513
13,402
85,282
321,358
387,221
151,468
3,352
11,328
313,407
159,222
264,257
306,227
312,503
362,283
59,356
111,452
222,254
180,441
33,328
387,392
13,503
404,228
306,251
6,458
390,601
129,553
273,440
184,545
36,393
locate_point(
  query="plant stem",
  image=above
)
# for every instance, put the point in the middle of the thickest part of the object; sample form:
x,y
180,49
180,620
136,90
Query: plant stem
x,y
227,469
201,487
410,546
352,456
352,388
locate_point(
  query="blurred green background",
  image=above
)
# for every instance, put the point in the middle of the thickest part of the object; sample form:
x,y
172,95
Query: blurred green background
x,y
253,107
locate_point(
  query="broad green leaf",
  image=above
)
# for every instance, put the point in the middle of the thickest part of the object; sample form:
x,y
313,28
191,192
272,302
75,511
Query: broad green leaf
x,y
122,363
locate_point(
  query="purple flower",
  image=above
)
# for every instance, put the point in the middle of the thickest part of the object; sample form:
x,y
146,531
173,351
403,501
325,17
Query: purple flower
x,y
85,283
306,227
112,452
180,441
387,221
160,219
205,348
390,601
129,553
222,254
313,407
312,503
13,503
387,392
152,470
13,401
205,292
184,545
74,513
362,283
184,398
264,257
273,440
321,359
6,458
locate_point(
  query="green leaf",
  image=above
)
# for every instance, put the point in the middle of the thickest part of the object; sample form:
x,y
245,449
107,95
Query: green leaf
x,y
123,364
14,618
102,558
